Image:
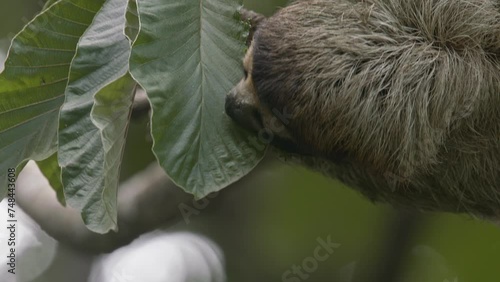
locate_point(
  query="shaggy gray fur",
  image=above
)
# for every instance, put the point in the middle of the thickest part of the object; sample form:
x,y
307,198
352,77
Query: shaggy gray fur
x,y
406,91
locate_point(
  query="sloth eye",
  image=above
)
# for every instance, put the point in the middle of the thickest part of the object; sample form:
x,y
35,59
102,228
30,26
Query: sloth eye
x,y
246,73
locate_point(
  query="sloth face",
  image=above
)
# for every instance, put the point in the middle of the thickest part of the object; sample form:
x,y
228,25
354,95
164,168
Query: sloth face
x,y
245,107
242,102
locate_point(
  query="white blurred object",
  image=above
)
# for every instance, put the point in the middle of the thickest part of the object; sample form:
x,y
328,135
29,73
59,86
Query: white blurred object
x,y
162,257
34,249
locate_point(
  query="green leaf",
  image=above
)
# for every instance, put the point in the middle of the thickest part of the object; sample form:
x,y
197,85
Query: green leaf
x,y
95,116
187,57
49,3
132,25
52,171
33,82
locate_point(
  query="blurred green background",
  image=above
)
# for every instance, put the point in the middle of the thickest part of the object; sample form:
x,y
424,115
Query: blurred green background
x,y
271,220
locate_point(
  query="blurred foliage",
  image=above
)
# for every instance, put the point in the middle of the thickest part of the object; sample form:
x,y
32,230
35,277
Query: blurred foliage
x,y
273,221
301,206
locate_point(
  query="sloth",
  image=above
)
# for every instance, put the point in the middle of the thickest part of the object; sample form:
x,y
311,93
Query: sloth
x,y
398,99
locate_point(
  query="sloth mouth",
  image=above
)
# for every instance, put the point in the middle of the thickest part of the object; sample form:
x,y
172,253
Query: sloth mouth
x,y
250,118
245,115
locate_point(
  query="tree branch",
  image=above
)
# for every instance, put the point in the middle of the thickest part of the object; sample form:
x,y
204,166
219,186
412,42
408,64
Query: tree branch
x,y
145,202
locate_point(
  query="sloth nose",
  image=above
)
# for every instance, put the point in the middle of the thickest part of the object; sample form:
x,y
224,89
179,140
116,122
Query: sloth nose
x,y
244,114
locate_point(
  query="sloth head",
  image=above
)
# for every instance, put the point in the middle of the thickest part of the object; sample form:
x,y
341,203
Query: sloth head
x,y
245,107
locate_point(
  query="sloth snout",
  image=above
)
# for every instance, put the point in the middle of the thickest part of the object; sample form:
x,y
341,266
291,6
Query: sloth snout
x,y
244,114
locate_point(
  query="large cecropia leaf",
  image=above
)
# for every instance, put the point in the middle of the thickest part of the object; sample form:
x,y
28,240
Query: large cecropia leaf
x,y
94,118
132,24
187,57
49,3
33,82
52,171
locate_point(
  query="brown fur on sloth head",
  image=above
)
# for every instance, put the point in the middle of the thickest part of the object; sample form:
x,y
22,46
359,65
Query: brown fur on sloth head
x,y
399,99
